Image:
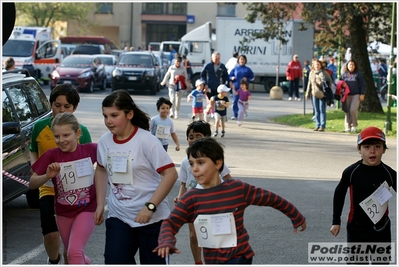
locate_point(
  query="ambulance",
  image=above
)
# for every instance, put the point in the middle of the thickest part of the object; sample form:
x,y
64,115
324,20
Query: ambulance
x,y
32,48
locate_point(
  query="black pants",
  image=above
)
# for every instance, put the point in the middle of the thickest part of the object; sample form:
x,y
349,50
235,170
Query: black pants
x,y
294,88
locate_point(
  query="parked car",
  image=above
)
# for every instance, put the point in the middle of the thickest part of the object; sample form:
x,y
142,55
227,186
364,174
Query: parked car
x,y
154,46
79,71
66,49
109,62
163,66
24,103
137,71
88,49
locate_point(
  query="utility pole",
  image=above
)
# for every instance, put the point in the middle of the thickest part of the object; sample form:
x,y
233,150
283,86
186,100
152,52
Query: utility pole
x,y
388,122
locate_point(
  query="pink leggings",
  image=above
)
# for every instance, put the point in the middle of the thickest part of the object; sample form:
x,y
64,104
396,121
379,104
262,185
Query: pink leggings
x,y
75,233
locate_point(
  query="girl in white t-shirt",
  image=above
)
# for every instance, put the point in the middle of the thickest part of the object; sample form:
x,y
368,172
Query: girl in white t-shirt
x,y
140,174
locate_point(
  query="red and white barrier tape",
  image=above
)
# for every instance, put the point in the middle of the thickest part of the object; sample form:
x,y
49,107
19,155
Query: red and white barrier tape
x,y
15,178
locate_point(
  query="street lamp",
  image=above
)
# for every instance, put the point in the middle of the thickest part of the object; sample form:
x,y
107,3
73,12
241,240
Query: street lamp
x,y
388,122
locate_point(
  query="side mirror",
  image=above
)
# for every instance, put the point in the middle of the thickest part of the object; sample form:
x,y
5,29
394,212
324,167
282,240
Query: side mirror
x,y
37,56
11,128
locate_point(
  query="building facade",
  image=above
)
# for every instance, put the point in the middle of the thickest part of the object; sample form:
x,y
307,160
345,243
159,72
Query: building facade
x,y
136,24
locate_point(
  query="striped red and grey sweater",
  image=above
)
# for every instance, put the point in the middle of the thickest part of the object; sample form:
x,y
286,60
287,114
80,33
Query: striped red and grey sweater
x,y
229,196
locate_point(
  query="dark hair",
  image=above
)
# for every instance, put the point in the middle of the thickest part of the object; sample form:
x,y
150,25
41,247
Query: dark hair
x,y
199,127
123,101
162,101
206,147
235,54
244,57
69,91
372,141
347,63
8,63
244,82
178,58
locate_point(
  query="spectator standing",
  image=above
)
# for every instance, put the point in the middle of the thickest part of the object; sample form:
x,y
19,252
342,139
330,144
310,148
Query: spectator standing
x,y
172,53
162,126
364,178
239,73
357,86
294,74
9,64
176,77
331,66
187,64
317,77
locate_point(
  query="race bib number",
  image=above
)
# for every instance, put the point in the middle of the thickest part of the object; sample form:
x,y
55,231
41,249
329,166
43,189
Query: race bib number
x,y
376,204
76,174
119,169
162,132
216,230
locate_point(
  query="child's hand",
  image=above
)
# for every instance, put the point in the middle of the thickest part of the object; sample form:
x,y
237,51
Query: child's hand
x,y
165,251
188,99
177,148
303,228
335,229
176,199
53,169
144,215
98,215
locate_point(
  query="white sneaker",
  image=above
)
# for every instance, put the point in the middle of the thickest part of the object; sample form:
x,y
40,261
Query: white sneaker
x,y
290,98
353,129
239,123
347,130
233,118
297,99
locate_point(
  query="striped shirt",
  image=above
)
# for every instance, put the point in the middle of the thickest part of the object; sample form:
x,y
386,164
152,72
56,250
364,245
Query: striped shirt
x,y
230,196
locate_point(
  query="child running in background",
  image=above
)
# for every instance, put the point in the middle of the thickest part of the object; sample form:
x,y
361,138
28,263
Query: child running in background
x,y
197,96
162,126
244,95
70,167
139,174
221,104
195,130
222,200
368,219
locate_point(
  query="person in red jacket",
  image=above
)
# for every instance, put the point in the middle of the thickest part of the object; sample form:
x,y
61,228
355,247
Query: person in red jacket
x,y
294,74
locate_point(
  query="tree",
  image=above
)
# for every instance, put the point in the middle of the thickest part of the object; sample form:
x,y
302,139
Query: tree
x,y
46,13
354,24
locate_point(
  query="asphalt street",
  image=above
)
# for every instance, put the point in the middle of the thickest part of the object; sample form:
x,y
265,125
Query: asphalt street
x,y
299,164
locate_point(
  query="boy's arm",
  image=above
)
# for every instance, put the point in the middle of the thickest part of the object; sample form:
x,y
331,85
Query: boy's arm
x,y
176,140
182,190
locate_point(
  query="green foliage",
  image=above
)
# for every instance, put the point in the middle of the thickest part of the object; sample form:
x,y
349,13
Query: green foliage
x,y
339,25
335,121
44,14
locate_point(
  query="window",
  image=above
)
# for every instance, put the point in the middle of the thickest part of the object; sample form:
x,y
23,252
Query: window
x,y
226,9
104,8
177,8
21,104
156,8
8,112
37,97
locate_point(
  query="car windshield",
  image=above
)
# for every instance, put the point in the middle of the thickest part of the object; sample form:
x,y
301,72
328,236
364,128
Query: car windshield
x,y
106,60
18,48
142,60
77,62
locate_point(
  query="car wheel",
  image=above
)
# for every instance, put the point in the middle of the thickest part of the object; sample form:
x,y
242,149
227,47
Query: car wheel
x,y
268,84
104,84
91,88
32,197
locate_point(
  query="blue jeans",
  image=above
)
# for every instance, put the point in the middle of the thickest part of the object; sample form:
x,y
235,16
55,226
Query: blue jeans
x,y
319,112
240,260
123,241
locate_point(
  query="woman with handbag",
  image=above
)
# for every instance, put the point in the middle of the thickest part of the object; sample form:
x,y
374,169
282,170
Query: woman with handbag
x,y
317,77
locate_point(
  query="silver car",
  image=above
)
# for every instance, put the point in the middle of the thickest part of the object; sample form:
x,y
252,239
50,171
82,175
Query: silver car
x,y
109,62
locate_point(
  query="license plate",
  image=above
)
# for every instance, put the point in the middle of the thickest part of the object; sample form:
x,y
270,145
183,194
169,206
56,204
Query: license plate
x,y
132,78
67,82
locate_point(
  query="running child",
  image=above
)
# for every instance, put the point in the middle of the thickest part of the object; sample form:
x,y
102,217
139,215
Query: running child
x,y
222,200
221,104
244,95
195,130
197,96
139,174
70,168
162,126
368,219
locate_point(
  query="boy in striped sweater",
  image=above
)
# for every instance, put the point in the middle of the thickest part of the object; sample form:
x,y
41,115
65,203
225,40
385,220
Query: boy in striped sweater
x,y
217,210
